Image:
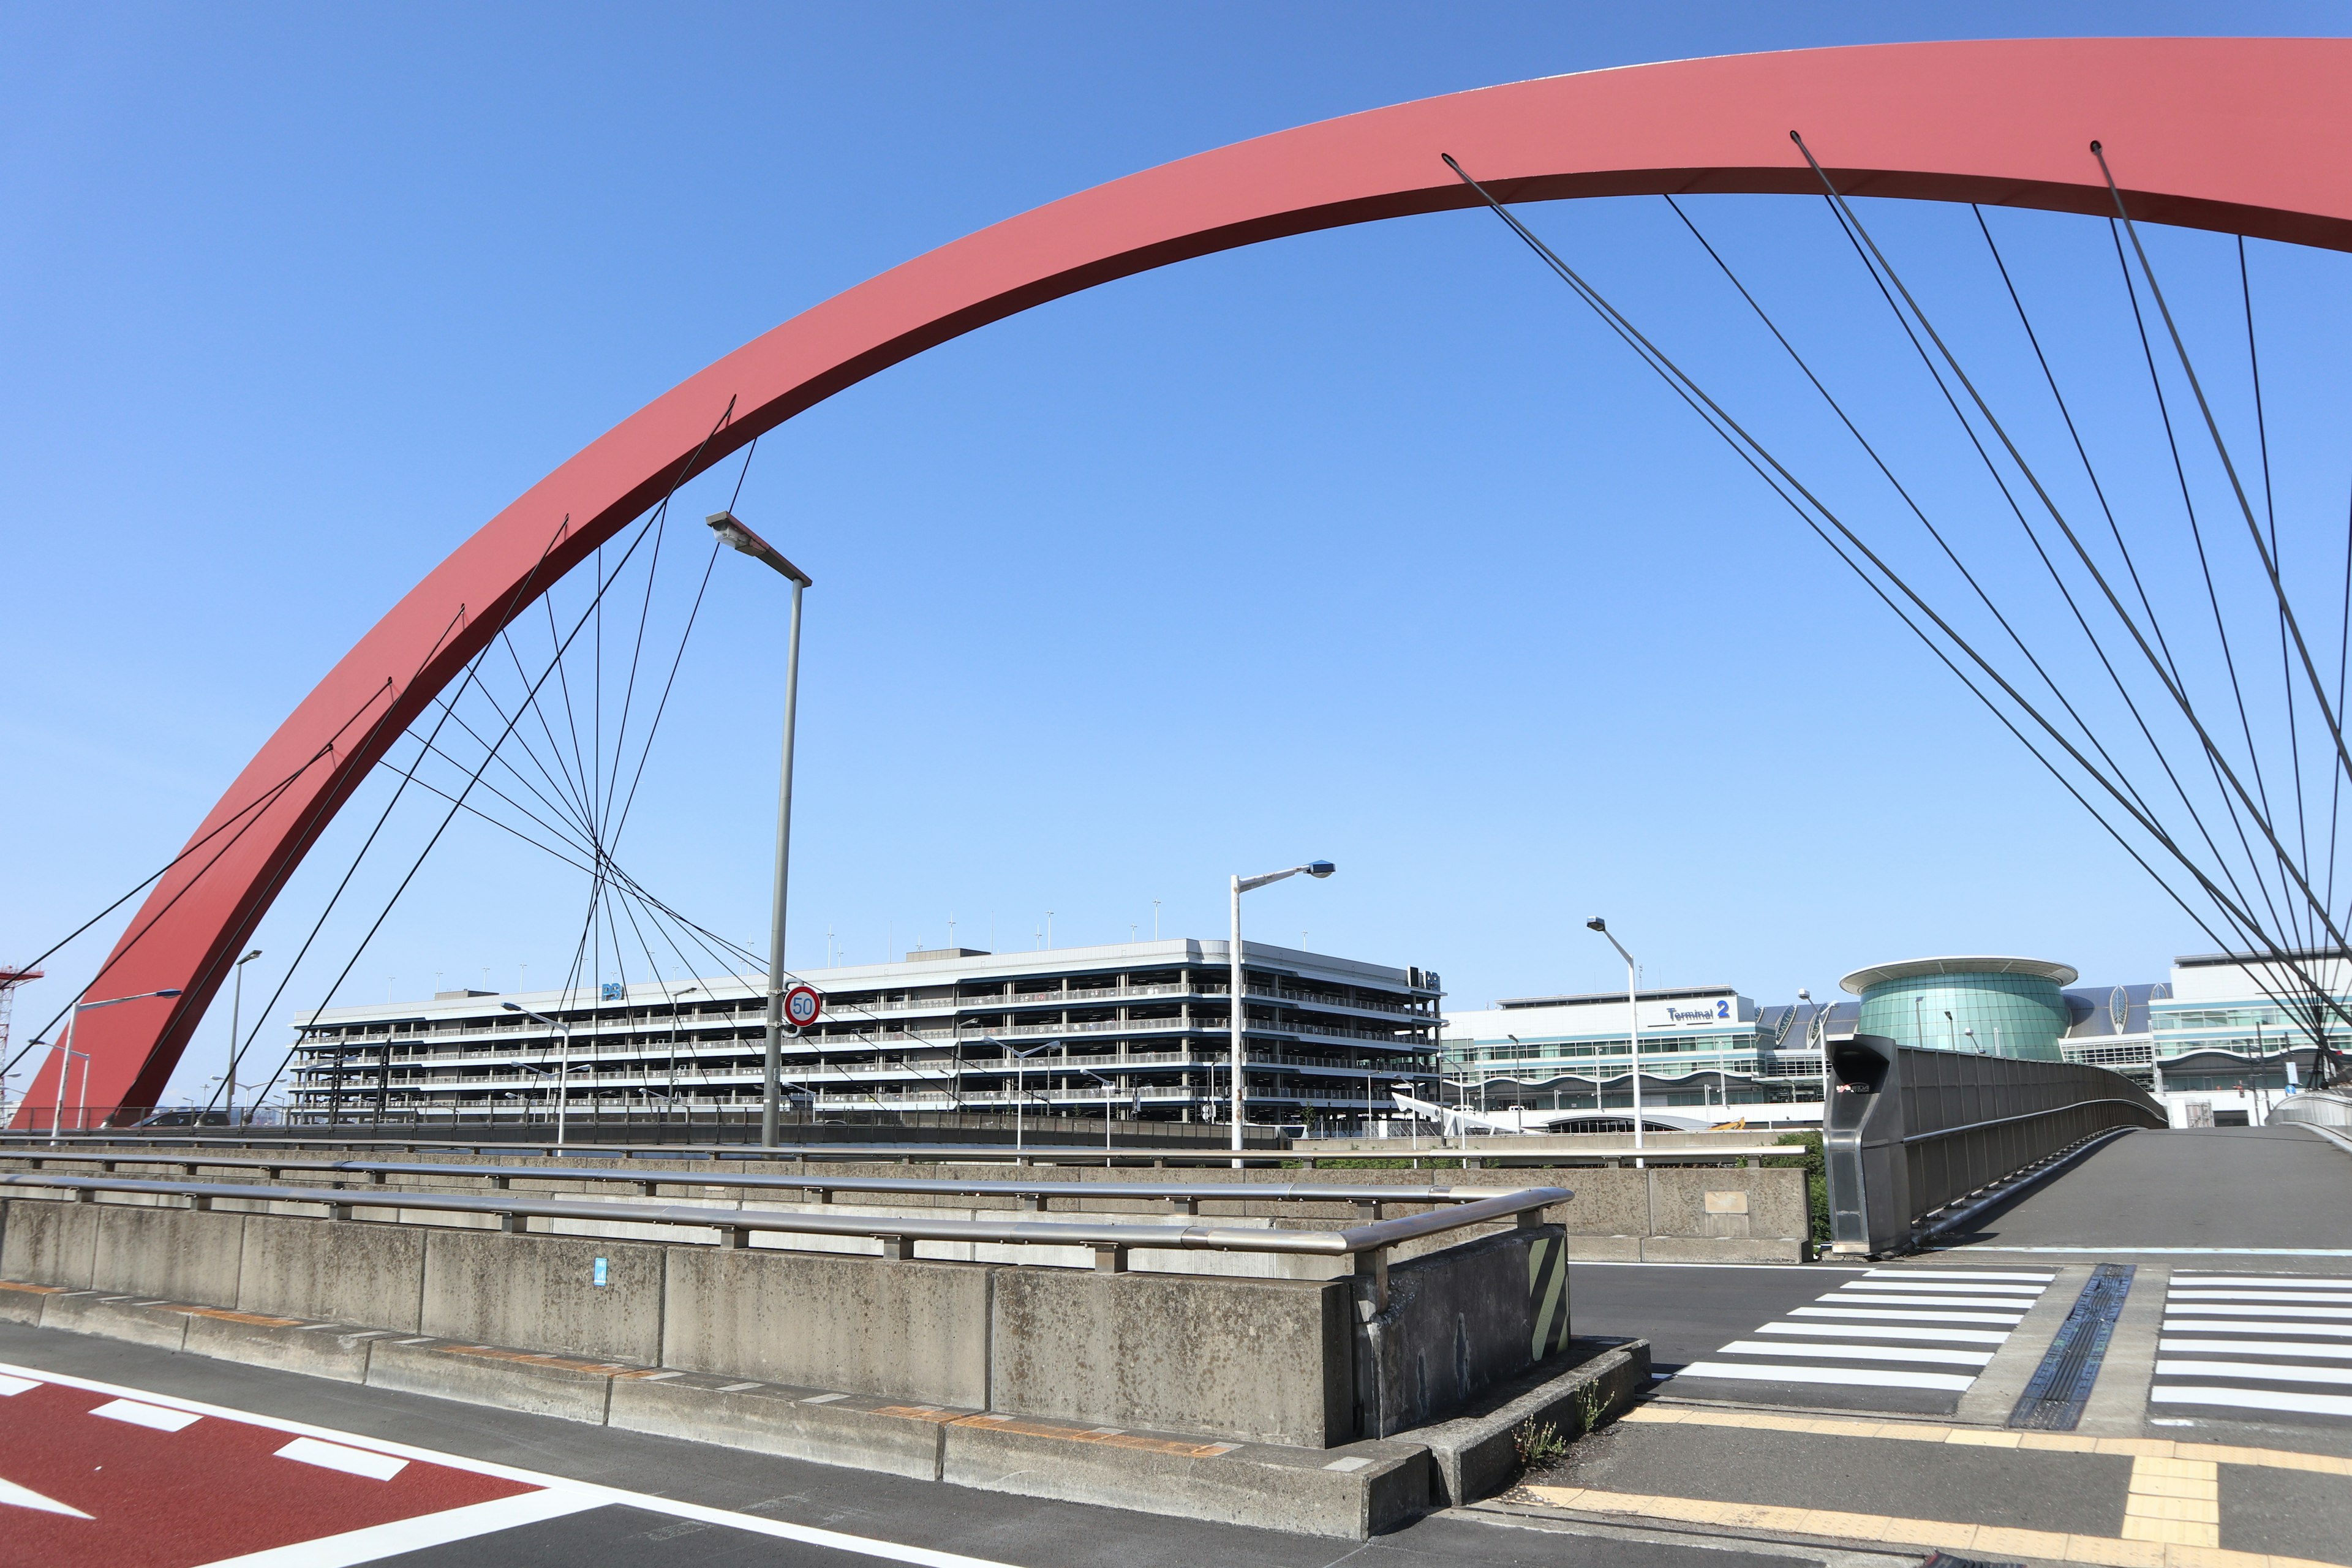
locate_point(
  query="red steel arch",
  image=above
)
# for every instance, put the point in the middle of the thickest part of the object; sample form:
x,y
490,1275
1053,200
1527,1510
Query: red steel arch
x,y
2249,136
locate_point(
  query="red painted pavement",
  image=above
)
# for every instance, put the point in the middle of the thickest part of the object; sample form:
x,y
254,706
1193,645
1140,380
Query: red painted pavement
x,y
215,1489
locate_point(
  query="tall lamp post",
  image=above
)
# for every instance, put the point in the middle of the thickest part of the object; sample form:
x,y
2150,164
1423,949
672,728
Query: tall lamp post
x,y
1633,1028
1319,869
732,532
563,1064
65,1062
235,1009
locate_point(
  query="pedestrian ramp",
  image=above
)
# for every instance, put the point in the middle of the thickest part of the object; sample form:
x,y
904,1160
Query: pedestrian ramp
x,y
2257,1347
1899,1339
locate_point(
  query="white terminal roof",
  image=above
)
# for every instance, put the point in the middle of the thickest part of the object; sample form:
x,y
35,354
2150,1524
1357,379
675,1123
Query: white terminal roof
x,y
1861,980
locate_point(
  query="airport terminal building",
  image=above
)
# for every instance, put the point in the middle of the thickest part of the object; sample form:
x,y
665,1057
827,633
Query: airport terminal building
x,y
2214,1042
1140,1027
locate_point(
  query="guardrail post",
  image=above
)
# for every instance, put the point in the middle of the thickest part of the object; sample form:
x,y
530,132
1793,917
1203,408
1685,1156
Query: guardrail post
x,y
898,1249
501,1183
339,1211
1109,1258
734,1237
1367,1208
1372,1264
84,1195
200,1200
1037,1202
515,1224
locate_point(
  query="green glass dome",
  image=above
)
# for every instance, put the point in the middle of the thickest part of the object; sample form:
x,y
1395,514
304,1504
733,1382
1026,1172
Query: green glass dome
x,y
1994,1006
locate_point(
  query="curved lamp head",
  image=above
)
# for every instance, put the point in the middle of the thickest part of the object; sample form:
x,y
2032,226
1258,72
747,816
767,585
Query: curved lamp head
x,y
1596,923
733,533
1320,868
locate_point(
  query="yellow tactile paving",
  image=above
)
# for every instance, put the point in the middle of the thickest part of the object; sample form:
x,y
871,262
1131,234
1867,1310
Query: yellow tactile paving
x,y
2135,1448
2106,1552
2177,1502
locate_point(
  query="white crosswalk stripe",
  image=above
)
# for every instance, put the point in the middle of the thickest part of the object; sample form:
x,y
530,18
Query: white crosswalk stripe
x,y
1892,1328
2256,1345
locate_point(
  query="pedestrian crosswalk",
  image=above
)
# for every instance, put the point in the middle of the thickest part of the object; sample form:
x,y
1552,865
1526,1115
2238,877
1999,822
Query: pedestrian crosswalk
x,y
1927,1329
2256,1345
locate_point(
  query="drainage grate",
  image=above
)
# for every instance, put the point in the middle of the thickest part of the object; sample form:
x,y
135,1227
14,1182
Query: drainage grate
x,y
2053,1400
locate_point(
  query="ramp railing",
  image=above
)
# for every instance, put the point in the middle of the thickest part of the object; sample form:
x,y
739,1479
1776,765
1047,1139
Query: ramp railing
x,y
1908,1132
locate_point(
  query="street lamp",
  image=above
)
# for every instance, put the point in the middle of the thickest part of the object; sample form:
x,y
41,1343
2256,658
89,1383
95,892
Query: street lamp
x,y
1319,869
236,1008
1633,1028
731,532
65,1062
564,1066
1108,1087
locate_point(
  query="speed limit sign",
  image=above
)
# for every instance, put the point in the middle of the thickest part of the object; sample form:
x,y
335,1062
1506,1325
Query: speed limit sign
x,y
801,1004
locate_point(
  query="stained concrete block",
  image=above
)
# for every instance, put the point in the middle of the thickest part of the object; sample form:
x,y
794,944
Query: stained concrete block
x,y
333,1351
1348,1494
914,1330
187,1254
1263,1359
21,1303
339,1271
510,1290
1586,1385
1775,1202
1456,1324
866,1434
480,1374
1604,1248
116,1317
49,1243
1726,1249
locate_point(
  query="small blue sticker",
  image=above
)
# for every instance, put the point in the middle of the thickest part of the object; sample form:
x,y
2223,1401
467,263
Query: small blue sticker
x,y
600,1271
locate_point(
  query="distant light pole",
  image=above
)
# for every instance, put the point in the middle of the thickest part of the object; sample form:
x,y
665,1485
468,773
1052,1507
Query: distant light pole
x,y
1108,1087
563,1064
731,532
236,1007
1319,869
1951,1025
1020,1087
1633,1027
65,1062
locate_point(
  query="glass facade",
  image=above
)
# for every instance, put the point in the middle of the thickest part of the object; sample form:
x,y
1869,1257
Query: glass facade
x,y
2011,1015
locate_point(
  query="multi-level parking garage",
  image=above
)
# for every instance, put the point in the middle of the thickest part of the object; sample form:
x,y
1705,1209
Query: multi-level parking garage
x,y
1142,1029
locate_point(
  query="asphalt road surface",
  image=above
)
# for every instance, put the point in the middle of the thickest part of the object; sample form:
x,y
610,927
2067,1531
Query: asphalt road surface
x,y
180,1460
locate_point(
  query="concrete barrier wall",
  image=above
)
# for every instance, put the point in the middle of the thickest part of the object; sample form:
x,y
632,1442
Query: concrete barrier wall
x,y
1267,1361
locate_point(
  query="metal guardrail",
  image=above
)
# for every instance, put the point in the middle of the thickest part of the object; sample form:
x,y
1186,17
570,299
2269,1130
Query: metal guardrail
x,y
906,1152
1038,1195
1109,1242
1910,1132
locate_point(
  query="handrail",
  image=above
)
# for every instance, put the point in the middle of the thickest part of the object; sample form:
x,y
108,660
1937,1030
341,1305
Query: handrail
x,y
2023,1116
1364,1238
1270,1191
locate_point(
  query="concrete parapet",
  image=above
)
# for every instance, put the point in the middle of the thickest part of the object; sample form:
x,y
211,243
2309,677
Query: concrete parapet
x,y
352,1273
167,1252
546,1291
336,1351
49,1243
1454,1325
913,1330
1587,1384
117,1316
1267,1360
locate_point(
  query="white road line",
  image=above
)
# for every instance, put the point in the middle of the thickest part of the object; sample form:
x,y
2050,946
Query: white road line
x,y
1888,1315
14,1385
2342,1314
1872,1331
591,1494
1850,1376
1959,1274
2252,1399
2258,1373
343,1457
138,1414
2004,1303
1859,1352
2257,1347
2322,1296
2274,1281
15,1496
2235,1326
402,1535
1897,1282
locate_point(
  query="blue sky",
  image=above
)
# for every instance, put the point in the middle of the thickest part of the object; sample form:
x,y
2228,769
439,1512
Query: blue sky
x,y
1365,546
